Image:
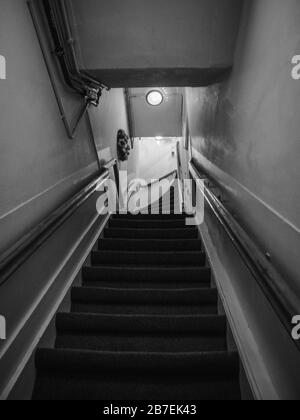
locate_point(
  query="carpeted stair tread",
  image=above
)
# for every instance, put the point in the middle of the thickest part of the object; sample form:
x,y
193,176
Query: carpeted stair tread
x,y
142,277
164,210
107,387
149,216
144,301
207,364
144,309
134,342
148,258
88,375
175,234
163,245
145,296
210,364
141,324
148,224
144,325
141,333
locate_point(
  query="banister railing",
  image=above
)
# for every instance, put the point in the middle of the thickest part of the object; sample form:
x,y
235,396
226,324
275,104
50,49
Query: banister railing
x,y
179,163
17,255
174,172
284,301
113,164
180,173
137,187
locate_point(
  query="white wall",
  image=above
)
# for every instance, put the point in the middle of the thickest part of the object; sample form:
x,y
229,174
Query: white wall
x,y
155,159
246,136
246,131
40,167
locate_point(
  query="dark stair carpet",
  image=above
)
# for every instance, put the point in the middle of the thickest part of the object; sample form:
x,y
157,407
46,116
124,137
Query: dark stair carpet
x,y
141,276
175,234
156,245
144,301
150,258
144,325
90,375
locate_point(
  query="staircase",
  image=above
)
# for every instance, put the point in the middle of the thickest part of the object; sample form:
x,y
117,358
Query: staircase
x,y
145,324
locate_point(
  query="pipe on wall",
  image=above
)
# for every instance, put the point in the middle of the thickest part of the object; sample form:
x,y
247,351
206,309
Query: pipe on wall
x,y
76,82
56,35
129,116
94,144
48,63
70,43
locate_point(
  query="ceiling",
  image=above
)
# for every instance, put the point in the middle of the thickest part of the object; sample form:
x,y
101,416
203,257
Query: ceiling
x,y
136,43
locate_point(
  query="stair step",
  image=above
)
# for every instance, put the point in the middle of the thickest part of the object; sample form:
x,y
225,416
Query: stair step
x,y
165,205
147,333
146,301
145,323
164,211
141,324
185,233
148,258
143,309
163,245
147,224
149,217
90,375
142,277
145,296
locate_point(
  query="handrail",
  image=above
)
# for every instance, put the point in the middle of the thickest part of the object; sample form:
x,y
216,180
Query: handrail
x,y
160,179
113,163
138,187
283,300
167,176
180,174
179,163
110,164
129,116
14,258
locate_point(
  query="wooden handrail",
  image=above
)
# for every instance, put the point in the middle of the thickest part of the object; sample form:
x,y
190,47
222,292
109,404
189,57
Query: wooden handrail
x,y
110,164
139,187
13,259
160,179
283,300
179,163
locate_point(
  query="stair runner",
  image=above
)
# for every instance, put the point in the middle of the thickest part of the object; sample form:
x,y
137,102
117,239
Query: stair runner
x,y
144,325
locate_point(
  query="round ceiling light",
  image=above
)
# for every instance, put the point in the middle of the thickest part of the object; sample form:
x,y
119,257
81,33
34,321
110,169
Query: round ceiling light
x,y
155,98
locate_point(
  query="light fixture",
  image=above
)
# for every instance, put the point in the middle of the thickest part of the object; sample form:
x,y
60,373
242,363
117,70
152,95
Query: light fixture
x,y
155,98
